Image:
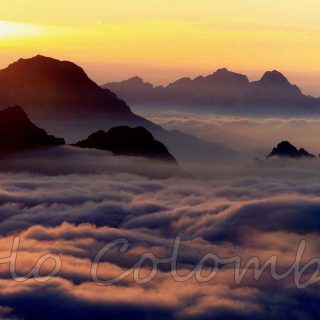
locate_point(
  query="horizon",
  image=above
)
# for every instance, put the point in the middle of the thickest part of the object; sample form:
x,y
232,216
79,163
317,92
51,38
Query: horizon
x,y
162,41
167,83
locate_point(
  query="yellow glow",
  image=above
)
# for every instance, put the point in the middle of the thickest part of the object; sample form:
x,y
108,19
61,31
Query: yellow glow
x,y
15,30
161,40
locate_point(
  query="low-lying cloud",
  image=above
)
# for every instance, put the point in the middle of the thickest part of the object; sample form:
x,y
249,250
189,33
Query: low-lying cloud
x,y
252,136
246,211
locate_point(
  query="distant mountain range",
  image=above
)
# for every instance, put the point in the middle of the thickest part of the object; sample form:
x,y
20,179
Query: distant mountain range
x,y
222,91
59,96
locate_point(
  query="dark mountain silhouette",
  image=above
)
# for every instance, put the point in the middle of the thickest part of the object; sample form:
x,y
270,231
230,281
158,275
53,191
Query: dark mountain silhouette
x,y
286,150
223,91
18,133
60,88
60,97
274,88
128,141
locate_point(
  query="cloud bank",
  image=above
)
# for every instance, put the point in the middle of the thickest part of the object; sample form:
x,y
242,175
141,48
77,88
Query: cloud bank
x,y
252,136
250,211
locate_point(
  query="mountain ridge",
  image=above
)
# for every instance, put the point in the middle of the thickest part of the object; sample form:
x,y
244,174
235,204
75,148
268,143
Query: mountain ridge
x,y
224,91
59,96
43,84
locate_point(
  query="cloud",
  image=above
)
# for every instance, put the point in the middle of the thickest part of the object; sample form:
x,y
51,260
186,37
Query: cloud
x,y
257,210
68,160
253,136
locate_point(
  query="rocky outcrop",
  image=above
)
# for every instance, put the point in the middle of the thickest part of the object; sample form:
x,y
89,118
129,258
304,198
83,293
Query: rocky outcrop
x,y
18,133
128,141
286,150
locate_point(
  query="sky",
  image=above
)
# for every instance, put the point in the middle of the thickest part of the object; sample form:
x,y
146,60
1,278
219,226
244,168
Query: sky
x,y
162,40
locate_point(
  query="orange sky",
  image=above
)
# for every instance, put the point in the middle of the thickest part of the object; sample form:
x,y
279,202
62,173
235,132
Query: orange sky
x,y
162,40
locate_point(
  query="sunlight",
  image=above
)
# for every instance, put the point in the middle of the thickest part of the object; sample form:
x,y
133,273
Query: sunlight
x,y
14,30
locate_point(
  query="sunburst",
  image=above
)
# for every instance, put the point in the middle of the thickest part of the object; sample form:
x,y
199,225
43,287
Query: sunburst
x,y
10,29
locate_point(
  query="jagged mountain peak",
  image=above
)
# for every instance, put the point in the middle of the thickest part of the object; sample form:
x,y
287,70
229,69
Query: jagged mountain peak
x,y
286,150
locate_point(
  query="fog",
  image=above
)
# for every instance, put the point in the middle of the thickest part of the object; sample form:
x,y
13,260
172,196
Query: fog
x,y
73,215
250,135
72,202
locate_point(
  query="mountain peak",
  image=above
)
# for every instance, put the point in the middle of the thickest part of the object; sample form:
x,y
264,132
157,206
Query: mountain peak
x,y
274,77
222,70
44,85
18,133
38,57
14,114
286,150
136,79
35,59
50,67
16,110
134,84
223,75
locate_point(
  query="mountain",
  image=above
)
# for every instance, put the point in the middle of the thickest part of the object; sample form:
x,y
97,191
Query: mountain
x,y
136,89
45,86
223,87
128,141
59,96
274,88
18,133
286,150
223,91
215,87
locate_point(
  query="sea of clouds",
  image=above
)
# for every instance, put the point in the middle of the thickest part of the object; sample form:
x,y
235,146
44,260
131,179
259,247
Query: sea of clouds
x,y
253,136
73,202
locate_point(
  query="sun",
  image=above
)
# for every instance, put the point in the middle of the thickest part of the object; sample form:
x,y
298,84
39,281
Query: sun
x,y
10,29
